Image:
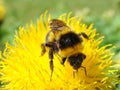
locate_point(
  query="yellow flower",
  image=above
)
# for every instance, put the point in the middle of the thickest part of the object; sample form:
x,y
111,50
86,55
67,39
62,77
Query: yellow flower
x,y
22,68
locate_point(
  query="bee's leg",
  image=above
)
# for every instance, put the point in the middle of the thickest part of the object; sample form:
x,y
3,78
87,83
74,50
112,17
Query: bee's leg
x,y
51,62
43,49
84,35
74,72
43,46
84,69
63,61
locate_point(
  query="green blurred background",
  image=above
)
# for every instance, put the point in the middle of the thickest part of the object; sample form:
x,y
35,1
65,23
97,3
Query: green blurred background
x,y
105,14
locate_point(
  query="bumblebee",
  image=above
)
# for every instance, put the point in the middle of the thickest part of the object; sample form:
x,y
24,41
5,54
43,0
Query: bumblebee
x,y
67,44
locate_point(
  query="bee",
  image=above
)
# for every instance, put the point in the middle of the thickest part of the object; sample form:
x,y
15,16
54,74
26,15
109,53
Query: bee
x,y
62,40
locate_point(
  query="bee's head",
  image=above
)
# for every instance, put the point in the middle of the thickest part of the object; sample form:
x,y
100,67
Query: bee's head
x,y
57,25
